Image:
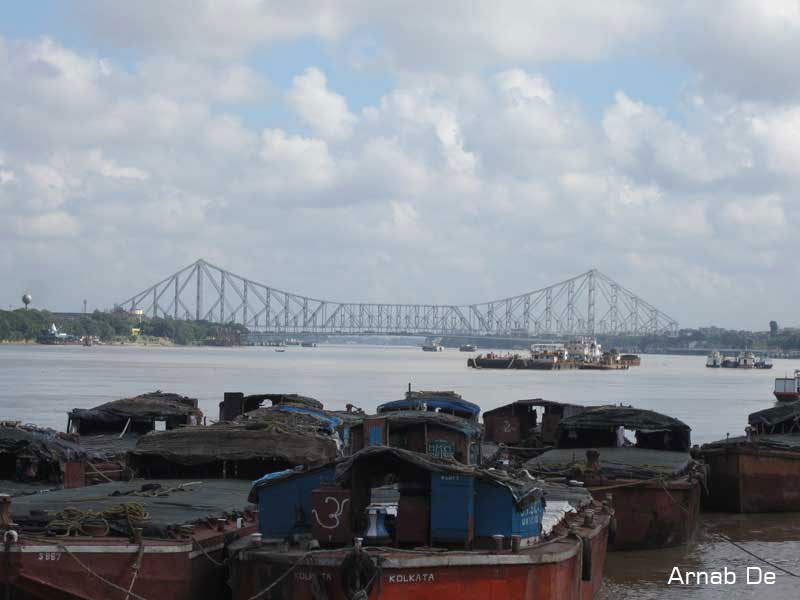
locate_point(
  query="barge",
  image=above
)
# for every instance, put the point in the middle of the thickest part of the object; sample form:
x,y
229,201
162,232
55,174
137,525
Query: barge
x,y
654,482
149,540
453,531
110,430
583,353
758,472
743,360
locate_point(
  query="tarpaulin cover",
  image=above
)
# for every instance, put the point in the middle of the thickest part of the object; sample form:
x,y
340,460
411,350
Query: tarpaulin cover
x,y
777,441
523,488
278,399
622,416
446,400
42,444
195,501
256,440
620,462
153,405
294,414
774,416
412,417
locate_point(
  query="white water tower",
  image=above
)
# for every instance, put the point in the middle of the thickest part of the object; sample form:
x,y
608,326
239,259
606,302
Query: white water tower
x,y
27,299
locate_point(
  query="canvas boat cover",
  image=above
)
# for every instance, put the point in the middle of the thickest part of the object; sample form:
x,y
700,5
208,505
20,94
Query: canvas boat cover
x,y
175,502
631,462
422,400
776,441
226,441
295,416
523,488
788,413
278,399
153,405
41,444
639,419
108,446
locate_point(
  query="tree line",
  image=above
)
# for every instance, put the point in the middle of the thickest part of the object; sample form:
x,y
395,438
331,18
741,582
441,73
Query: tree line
x,y
27,325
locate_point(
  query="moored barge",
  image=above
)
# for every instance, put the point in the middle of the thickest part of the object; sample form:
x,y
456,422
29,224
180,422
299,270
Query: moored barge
x,y
758,472
654,482
149,540
454,531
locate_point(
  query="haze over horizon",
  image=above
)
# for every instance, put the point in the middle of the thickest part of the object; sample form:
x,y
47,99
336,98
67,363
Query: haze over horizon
x,y
404,152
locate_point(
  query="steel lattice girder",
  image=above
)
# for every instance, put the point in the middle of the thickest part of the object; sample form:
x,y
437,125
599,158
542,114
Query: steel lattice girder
x,y
588,304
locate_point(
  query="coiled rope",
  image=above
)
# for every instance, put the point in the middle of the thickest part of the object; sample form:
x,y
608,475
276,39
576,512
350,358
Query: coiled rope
x,y
75,521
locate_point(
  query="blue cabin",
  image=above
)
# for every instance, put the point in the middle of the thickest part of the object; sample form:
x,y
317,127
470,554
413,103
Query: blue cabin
x,y
285,500
452,508
498,513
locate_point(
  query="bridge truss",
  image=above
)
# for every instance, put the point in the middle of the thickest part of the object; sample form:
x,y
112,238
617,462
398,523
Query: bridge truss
x,y
588,304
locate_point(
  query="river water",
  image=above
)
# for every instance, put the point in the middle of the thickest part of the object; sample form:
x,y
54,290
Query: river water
x,y
39,384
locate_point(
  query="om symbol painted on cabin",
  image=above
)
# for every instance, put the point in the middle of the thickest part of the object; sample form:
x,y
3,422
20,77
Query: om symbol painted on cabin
x,y
336,515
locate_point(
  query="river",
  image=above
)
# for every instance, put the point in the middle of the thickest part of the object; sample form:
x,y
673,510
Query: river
x,y
39,384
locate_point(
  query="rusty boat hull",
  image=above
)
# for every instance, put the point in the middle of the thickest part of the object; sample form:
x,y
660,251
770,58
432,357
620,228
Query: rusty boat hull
x,y
569,567
651,514
750,478
78,568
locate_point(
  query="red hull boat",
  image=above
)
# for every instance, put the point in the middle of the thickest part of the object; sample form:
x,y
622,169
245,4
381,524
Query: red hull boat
x,y
568,567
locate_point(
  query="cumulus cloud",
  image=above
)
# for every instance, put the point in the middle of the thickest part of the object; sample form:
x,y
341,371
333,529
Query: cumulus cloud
x,y
472,166
325,111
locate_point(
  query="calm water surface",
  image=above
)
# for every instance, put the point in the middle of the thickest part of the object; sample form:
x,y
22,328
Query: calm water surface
x,y
39,384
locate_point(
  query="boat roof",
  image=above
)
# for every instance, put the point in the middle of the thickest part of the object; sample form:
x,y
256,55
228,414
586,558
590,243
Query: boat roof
x,y
401,418
420,400
39,443
241,441
787,411
523,488
184,500
281,399
625,462
534,402
294,415
604,417
152,405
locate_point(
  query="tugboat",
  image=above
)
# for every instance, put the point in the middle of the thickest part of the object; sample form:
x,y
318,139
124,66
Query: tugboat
x,y
787,389
467,348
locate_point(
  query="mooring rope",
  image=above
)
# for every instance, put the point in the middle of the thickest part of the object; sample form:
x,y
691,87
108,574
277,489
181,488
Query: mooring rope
x,y
756,556
100,577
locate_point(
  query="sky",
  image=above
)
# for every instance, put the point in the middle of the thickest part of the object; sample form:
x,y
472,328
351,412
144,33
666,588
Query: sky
x,y
450,152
